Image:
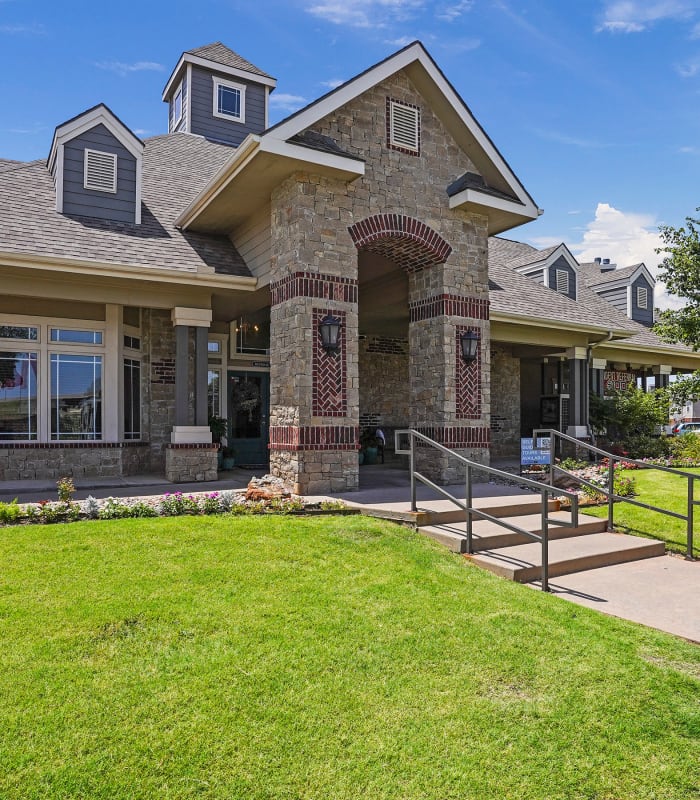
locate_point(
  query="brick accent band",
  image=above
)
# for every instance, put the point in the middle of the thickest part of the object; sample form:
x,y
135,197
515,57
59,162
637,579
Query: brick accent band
x,y
191,446
448,305
70,445
458,438
316,285
314,437
406,240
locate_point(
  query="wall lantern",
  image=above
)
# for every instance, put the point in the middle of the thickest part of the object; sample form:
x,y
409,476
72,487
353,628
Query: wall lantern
x,y
469,342
330,331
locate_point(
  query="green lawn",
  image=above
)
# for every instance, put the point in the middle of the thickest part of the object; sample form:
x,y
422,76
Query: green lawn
x,y
327,658
660,489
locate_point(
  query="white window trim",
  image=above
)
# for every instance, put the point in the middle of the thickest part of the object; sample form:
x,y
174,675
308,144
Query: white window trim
x,y
44,349
113,156
219,361
215,99
178,120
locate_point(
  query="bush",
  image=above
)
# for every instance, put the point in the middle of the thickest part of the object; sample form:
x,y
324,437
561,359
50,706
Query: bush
x,y
51,513
66,489
685,448
174,505
623,485
10,513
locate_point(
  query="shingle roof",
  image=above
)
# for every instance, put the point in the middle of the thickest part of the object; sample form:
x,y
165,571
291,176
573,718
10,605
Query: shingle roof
x,y
472,180
324,144
593,276
216,51
175,168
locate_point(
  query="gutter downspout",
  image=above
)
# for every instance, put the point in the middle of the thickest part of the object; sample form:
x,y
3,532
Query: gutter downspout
x,y
591,347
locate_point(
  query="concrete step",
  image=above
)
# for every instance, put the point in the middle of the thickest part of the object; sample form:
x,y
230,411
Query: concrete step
x,y
505,506
523,563
487,535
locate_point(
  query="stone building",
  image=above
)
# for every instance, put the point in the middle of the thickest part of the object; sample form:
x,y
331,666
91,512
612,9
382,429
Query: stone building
x,y
150,285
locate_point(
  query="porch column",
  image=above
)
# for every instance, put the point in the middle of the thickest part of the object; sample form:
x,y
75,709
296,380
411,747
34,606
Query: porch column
x,y
662,375
578,392
191,388
597,369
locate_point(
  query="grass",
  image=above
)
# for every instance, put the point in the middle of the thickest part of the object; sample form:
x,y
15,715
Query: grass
x,y
660,489
334,657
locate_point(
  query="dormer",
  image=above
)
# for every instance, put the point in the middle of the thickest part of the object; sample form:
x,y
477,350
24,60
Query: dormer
x,y
555,268
96,163
630,290
215,93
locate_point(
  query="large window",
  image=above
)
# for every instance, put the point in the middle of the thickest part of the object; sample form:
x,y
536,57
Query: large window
x,y
229,100
76,396
18,400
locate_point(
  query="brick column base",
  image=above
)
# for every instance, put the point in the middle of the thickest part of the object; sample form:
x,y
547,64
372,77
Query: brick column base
x,y
188,463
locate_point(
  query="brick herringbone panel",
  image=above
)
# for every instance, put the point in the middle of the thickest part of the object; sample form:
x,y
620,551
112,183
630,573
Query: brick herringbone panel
x,y
468,378
405,240
329,395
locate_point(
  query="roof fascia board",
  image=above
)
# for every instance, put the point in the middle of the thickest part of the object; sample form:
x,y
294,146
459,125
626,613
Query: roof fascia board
x,y
279,147
100,115
475,197
665,349
188,58
522,319
415,52
133,272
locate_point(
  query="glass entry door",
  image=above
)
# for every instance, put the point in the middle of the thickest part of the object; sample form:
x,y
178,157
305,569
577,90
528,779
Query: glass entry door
x,y
249,413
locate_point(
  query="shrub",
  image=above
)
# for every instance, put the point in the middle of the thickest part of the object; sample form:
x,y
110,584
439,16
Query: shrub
x,y
332,505
623,485
685,448
211,503
91,507
226,499
63,511
10,513
66,489
176,504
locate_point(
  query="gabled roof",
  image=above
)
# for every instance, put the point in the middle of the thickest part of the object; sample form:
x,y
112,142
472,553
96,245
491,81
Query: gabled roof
x,y
218,58
593,276
501,196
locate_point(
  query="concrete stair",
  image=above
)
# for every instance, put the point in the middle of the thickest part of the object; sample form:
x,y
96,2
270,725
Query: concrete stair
x,y
519,558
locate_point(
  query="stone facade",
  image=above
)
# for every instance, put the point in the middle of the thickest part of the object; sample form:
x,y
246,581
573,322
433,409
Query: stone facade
x,y
185,463
399,209
157,383
22,461
505,403
384,397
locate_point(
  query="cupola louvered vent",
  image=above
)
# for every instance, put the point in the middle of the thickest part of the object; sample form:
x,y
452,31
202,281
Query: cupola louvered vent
x,y
100,171
404,127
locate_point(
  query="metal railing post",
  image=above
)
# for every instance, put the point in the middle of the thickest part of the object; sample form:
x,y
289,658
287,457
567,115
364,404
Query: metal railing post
x,y
690,523
412,466
611,492
468,498
545,541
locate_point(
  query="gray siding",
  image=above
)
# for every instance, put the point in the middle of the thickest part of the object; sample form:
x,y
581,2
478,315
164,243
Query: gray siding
x,y
182,126
204,122
562,264
618,298
77,200
645,316
253,241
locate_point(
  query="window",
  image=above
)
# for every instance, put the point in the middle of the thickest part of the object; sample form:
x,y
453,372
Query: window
x,y
562,281
177,107
214,347
132,398
132,342
18,406
76,396
100,171
403,127
229,100
214,392
75,336
642,297
24,332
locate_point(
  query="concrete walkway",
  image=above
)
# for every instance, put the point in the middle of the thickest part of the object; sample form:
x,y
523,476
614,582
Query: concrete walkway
x,y
661,593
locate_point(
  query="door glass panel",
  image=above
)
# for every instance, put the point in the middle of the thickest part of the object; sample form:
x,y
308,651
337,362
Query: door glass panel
x,y
246,406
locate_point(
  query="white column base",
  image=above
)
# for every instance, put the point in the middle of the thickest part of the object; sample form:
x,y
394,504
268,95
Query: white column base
x,y
190,434
577,431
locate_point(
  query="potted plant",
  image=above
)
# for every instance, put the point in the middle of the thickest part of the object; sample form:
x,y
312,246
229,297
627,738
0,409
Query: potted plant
x,y
228,457
218,427
370,448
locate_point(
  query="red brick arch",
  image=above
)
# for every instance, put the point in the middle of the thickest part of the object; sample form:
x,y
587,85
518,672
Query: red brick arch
x,y
407,241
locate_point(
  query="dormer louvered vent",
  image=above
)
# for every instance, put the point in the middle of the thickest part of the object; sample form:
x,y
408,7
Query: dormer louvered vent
x,y
642,297
562,281
403,127
100,171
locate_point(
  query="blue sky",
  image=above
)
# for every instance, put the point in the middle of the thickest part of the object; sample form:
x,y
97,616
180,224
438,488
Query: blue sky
x,y
594,103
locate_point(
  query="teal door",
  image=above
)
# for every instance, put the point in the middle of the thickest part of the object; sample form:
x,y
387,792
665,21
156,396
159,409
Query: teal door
x,y
249,414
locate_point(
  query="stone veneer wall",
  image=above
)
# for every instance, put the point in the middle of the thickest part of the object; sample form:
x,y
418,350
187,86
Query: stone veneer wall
x,y
25,461
505,402
157,383
314,266
384,400
190,462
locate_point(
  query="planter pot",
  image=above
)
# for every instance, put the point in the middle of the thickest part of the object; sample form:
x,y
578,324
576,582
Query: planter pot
x,y
219,459
228,462
371,455
361,457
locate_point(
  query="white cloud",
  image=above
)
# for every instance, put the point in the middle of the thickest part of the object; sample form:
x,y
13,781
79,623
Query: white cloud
x,y
402,41
459,45
287,102
563,138
32,30
450,13
333,83
365,13
635,16
689,150
626,238
122,69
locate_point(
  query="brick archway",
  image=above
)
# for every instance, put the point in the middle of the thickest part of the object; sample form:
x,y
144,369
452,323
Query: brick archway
x,y
405,240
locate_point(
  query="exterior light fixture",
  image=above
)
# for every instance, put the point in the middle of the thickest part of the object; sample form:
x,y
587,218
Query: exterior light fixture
x,y
469,342
330,331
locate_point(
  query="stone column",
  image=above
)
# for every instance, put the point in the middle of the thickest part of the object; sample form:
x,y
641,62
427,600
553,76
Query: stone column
x,y
314,395
450,398
662,374
578,392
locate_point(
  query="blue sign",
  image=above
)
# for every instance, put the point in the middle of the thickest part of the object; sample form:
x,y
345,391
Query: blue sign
x,y
530,455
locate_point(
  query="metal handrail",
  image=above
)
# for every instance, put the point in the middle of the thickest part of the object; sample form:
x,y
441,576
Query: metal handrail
x,y
551,435
543,489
